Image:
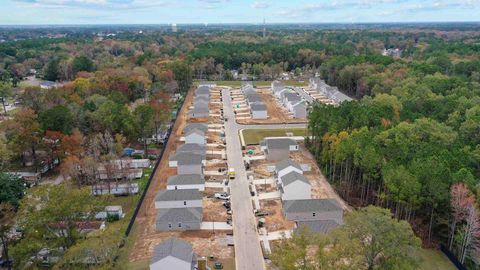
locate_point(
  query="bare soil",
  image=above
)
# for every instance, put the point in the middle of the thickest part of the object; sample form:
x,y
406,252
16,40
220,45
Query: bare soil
x,y
275,220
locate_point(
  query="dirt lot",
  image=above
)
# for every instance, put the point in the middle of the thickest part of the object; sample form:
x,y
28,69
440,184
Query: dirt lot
x,y
213,209
275,221
276,113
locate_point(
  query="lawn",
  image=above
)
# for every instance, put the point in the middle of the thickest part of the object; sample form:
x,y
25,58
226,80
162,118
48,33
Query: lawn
x,y
435,260
260,83
254,136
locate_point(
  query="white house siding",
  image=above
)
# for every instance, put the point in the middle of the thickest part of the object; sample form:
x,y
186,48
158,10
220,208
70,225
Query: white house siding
x,y
172,163
297,190
169,263
178,204
300,112
175,187
259,115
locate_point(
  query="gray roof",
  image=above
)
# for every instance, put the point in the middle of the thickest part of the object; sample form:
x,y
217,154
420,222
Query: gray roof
x,y
173,247
319,226
200,126
187,214
178,195
253,98
186,158
277,86
300,104
197,131
202,90
258,106
201,98
186,179
291,177
285,164
311,205
278,143
292,97
192,148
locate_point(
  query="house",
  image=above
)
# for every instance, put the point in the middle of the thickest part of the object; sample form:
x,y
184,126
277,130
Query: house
x,y
202,90
47,84
194,148
277,86
252,98
285,166
180,198
299,110
114,210
258,110
173,253
179,219
195,136
115,189
278,148
202,98
279,94
294,186
290,98
199,126
187,163
186,181
200,109
312,210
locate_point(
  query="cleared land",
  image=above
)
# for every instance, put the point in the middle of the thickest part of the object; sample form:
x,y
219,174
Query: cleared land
x,y
435,260
254,136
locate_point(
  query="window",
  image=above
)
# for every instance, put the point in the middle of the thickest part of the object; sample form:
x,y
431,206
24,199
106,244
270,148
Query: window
x,y
313,214
184,202
179,224
169,225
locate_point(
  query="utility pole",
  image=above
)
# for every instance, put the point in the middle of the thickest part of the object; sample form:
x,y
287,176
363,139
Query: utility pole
x,y
264,29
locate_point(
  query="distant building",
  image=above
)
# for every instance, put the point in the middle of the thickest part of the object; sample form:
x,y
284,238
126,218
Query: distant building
x,y
173,253
174,28
47,84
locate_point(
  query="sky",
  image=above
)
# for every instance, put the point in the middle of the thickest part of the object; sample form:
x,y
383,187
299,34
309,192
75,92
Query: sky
x,y
234,11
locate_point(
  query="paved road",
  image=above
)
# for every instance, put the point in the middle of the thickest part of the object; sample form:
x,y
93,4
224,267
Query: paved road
x,y
248,254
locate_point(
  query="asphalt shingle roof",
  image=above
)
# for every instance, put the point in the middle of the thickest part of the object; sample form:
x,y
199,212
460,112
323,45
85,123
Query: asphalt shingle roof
x,y
186,158
291,177
280,143
258,106
285,164
186,179
192,148
311,205
199,126
179,195
173,247
188,214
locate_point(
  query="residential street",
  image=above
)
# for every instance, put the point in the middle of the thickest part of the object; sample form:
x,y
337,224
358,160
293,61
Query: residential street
x,y
248,254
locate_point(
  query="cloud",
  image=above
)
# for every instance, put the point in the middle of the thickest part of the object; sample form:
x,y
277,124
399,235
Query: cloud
x,y
261,4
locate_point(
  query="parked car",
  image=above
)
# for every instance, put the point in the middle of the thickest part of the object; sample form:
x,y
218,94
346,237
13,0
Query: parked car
x,y
222,196
229,212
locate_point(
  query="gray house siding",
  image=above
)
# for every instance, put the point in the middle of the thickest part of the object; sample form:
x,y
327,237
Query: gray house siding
x,y
300,112
178,226
308,216
259,114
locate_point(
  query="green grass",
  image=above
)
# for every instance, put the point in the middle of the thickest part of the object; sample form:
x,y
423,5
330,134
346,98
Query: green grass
x,y
435,260
260,83
254,136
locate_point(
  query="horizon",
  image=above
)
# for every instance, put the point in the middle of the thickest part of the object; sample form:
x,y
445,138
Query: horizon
x,y
163,12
